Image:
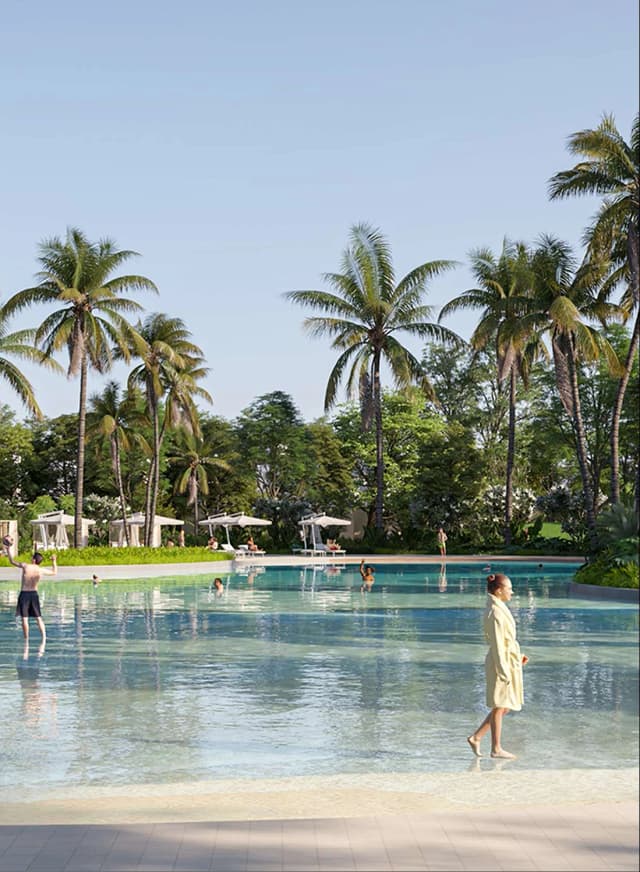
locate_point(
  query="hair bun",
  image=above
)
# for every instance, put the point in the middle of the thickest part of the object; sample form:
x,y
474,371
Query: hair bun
x,y
491,577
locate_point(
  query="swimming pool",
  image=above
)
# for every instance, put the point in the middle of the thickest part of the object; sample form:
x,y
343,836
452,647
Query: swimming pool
x,y
295,671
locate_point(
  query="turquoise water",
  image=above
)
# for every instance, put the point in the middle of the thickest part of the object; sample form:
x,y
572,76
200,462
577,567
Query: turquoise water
x,y
296,671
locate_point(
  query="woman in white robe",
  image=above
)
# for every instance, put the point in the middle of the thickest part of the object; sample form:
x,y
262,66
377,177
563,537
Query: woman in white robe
x,y
503,666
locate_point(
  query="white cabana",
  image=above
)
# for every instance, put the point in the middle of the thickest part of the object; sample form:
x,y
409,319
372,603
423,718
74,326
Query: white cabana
x,y
50,531
311,530
237,519
135,524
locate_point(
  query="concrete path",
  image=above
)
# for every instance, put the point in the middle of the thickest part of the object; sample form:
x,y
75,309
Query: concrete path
x,y
580,837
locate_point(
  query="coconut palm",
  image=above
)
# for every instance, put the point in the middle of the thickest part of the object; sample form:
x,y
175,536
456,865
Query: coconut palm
x,y
77,278
116,420
171,366
503,294
567,299
196,459
611,167
19,344
362,314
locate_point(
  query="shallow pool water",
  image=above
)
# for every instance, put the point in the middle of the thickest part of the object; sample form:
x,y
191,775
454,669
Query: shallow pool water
x,y
296,671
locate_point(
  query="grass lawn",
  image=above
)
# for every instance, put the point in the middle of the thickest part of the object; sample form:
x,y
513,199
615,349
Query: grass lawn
x,y
553,531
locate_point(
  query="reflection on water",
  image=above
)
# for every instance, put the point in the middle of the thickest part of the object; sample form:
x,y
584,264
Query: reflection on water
x,y
294,671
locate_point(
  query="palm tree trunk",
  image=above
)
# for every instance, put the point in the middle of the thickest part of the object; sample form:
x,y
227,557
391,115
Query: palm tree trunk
x,y
581,450
511,446
195,512
156,474
117,472
149,503
617,413
377,400
82,420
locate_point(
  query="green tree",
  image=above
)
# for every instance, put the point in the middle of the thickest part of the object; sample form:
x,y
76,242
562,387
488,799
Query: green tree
x,y
115,419
567,299
77,277
194,458
503,295
171,366
611,167
362,314
19,344
16,451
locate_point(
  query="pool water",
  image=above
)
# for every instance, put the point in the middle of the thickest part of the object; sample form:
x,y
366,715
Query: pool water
x,y
296,671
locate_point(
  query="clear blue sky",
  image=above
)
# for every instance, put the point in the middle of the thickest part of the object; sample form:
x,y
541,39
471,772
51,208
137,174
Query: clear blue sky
x,y
234,144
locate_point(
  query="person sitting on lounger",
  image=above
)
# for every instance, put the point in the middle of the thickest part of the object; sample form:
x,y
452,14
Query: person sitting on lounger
x,y
251,545
332,545
212,544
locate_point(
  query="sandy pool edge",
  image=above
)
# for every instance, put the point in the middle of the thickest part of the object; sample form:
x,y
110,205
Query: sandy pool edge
x,y
324,797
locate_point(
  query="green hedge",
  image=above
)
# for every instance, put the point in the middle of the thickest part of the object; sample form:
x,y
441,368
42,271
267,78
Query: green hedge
x,y
602,573
106,556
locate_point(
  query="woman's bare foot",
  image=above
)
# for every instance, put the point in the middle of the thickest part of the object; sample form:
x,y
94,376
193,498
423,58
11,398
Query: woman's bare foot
x,y
475,745
503,755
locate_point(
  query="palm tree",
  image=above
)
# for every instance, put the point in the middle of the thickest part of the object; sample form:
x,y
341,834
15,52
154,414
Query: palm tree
x,y
77,276
566,299
115,419
196,458
18,344
503,294
170,365
362,314
611,167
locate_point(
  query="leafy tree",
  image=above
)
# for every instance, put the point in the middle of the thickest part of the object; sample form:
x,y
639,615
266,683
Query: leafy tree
x,y
171,365
115,419
272,439
503,295
567,299
329,482
611,167
77,276
16,450
362,315
19,345
51,467
194,458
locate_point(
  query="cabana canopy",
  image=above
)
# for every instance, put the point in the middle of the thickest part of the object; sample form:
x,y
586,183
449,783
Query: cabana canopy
x,y
135,522
311,527
50,530
237,519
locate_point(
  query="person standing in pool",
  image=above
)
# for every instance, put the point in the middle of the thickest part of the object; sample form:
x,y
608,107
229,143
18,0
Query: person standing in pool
x,y
367,573
503,666
28,601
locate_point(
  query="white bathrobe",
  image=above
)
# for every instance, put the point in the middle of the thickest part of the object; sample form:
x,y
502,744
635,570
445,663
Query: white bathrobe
x,y
503,663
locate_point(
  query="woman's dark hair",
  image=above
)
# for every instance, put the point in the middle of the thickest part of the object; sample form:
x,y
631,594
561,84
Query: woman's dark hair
x,y
37,557
495,581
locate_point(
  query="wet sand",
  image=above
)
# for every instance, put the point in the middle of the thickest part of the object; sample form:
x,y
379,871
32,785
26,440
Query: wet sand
x,y
325,797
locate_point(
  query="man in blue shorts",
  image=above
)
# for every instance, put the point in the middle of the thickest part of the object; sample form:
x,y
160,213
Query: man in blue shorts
x,y
29,601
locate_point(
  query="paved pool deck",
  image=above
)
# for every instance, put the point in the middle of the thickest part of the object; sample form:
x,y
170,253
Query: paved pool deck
x,y
554,837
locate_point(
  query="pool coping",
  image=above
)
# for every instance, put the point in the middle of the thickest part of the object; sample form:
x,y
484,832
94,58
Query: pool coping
x,y
113,572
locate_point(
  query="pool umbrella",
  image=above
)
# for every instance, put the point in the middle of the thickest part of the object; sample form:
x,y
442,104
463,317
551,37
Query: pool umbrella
x,y
320,520
237,519
217,521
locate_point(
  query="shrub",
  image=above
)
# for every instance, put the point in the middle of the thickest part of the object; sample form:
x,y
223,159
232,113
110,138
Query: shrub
x,y
105,556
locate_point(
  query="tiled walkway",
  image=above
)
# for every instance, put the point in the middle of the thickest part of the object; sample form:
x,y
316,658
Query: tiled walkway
x,y
597,836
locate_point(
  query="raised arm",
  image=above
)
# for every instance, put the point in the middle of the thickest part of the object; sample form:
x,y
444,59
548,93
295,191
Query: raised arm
x,y
362,572
54,569
10,558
